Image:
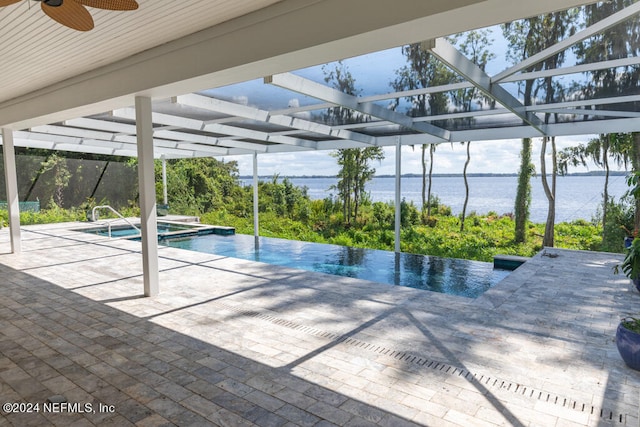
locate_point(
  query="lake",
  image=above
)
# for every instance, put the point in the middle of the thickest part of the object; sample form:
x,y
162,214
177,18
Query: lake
x,y
578,197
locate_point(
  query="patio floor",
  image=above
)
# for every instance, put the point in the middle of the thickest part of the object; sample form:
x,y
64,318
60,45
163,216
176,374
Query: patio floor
x,y
233,343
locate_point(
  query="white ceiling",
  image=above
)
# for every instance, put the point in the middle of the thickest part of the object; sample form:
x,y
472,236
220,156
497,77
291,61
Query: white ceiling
x,y
37,52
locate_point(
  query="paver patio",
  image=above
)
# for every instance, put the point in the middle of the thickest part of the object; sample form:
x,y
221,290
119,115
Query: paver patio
x,y
232,342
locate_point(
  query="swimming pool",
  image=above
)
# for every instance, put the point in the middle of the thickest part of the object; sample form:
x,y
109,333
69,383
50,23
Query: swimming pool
x,y
165,230
445,275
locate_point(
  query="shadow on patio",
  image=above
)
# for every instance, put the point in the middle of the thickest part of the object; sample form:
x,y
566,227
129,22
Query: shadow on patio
x,y
233,342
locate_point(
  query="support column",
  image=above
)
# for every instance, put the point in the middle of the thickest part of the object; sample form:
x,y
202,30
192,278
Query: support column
x,y
147,190
11,181
164,180
256,222
398,188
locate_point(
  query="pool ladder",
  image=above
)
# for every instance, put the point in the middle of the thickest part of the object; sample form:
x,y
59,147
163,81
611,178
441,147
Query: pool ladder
x,y
108,223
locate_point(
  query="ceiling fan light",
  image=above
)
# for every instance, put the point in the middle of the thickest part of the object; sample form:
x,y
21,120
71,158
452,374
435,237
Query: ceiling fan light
x,y
52,3
73,14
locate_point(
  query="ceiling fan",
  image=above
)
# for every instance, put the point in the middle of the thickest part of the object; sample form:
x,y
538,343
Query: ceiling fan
x,y
73,13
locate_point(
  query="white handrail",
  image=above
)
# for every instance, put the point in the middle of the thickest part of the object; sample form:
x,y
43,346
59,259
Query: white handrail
x,y
93,217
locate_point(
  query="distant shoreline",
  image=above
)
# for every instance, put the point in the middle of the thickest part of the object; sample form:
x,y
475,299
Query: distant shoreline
x,y
437,175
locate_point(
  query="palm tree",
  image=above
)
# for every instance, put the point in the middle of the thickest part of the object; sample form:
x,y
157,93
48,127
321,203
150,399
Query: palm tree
x,y
613,146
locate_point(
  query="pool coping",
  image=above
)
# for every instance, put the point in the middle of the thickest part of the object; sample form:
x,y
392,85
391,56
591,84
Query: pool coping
x,y
209,229
189,228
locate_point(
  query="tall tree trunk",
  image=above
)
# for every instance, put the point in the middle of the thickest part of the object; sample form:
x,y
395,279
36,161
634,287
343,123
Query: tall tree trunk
x,y
548,239
523,194
466,187
432,148
347,201
605,195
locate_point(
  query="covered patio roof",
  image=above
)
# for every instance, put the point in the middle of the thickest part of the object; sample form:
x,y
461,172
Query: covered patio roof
x,y
254,117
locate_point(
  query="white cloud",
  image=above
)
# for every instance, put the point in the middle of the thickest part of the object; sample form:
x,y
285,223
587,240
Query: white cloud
x,y
486,157
241,99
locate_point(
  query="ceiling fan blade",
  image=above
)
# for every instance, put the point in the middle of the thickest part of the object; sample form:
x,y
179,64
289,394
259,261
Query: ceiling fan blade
x,y
70,14
7,2
110,4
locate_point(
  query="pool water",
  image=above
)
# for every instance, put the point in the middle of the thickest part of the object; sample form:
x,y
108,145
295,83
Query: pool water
x,y
446,275
128,231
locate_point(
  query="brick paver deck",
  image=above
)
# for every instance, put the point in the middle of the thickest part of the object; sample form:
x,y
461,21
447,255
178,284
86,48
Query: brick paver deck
x,y
234,343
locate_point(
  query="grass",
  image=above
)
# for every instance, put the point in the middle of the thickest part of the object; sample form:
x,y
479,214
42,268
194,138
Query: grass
x,y
483,237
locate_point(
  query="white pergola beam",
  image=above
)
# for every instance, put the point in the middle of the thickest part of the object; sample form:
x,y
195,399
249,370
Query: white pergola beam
x,y
596,28
583,68
303,108
173,139
259,135
208,144
71,131
252,113
246,147
165,196
588,127
585,102
316,90
322,129
450,56
339,144
216,145
595,113
220,106
221,129
121,142
416,92
103,125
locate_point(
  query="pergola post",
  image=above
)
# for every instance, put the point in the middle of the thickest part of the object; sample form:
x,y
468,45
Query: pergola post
x,y
164,180
146,182
398,188
11,182
256,222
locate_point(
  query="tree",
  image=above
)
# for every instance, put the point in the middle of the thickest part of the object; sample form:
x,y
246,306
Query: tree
x,y
549,190
615,146
620,41
522,39
523,192
423,70
466,186
355,163
474,45
555,27
199,185
526,38
56,167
